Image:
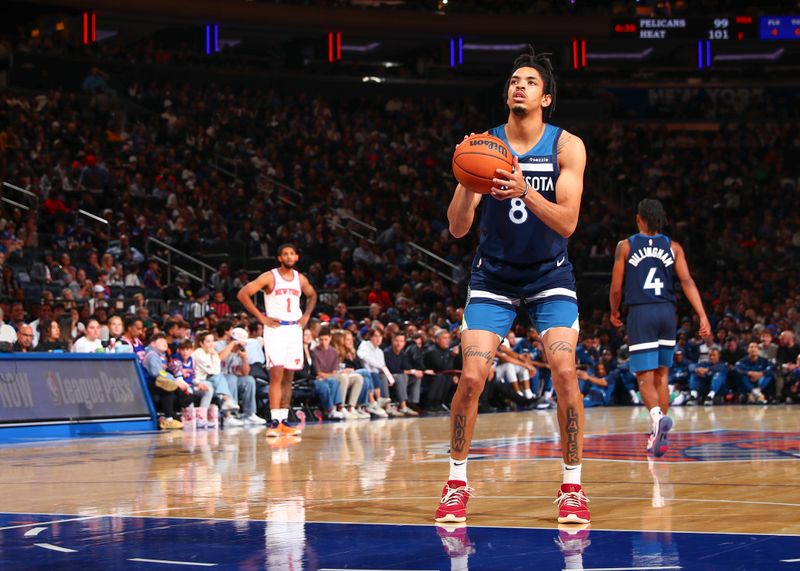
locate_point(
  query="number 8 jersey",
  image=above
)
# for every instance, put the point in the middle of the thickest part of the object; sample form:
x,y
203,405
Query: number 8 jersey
x,y
649,271
283,303
509,230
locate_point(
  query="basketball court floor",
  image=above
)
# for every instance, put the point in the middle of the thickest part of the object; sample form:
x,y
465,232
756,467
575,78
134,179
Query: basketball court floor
x,y
361,495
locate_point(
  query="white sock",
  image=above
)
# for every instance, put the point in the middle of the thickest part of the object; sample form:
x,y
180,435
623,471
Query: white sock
x,y
694,394
520,393
711,394
528,394
458,469
548,394
655,416
284,414
756,391
633,395
275,414
572,474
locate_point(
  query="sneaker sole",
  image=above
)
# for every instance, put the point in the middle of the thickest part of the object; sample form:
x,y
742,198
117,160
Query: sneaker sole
x,y
272,434
660,444
572,518
451,518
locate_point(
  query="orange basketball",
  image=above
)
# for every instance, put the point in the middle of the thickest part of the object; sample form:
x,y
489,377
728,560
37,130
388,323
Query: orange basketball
x,y
476,160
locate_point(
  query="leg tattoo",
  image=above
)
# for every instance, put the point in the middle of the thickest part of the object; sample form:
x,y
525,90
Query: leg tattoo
x,y
561,346
572,437
472,351
459,430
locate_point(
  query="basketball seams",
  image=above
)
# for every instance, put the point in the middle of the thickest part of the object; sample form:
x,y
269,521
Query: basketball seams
x,y
493,156
486,153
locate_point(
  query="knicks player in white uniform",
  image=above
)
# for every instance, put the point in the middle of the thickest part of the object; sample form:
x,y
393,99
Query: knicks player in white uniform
x,y
283,330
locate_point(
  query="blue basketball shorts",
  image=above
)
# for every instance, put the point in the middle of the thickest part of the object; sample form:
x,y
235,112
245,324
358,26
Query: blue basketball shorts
x,y
498,290
651,336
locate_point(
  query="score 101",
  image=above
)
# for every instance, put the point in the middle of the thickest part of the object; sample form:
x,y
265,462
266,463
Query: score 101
x,y
720,30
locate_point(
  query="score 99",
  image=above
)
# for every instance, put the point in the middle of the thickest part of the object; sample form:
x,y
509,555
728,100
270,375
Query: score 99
x,y
720,29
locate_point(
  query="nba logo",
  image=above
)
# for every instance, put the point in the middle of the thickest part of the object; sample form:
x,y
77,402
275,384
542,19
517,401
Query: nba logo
x,y
55,388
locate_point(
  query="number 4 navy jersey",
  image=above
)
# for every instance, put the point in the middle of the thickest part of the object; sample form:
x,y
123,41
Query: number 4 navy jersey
x,y
649,270
509,230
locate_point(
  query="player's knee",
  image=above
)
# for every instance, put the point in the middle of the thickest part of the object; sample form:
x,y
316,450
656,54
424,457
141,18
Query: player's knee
x,y
471,386
564,374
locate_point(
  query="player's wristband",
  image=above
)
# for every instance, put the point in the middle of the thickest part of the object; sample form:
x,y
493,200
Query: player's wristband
x,y
524,194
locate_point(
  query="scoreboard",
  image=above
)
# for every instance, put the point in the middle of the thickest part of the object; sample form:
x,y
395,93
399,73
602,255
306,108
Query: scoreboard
x,y
710,28
780,27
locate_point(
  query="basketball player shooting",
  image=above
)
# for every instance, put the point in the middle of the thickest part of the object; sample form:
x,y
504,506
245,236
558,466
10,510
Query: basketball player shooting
x,y
647,263
522,262
283,330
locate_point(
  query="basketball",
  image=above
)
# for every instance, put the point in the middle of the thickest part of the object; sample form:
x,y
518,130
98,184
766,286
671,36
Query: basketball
x,y
476,160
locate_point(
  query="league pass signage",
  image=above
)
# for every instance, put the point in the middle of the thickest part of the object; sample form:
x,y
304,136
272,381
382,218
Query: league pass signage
x,y
46,390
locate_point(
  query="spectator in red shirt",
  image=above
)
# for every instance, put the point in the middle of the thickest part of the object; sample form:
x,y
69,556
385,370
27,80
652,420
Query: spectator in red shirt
x,y
379,295
220,306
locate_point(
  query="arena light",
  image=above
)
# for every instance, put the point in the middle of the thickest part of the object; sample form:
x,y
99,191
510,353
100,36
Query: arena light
x,y
361,49
635,56
372,79
334,46
212,39
766,56
456,51
494,47
578,53
700,54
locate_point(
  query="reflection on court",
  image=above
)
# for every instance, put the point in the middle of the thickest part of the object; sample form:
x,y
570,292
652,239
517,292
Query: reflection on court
x,y
360,495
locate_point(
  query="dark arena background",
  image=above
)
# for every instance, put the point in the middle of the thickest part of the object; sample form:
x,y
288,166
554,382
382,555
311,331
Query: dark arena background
x,y
156,155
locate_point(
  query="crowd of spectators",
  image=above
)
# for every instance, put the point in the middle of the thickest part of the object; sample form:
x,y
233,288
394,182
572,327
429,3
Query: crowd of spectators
x,y
724,188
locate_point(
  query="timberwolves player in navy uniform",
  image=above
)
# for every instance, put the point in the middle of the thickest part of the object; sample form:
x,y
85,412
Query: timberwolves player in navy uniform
x,y
522,263
647,262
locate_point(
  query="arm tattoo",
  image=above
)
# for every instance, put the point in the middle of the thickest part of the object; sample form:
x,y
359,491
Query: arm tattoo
x,y
618,251
573,456
560,346
472,351
562,141
459,433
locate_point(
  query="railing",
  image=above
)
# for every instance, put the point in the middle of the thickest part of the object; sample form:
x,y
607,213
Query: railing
x,y
204,267
34,199
455,269
234,174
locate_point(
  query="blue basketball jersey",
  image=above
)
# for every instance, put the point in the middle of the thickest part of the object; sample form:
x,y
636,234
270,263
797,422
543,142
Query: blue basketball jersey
x,y
649,270
509,230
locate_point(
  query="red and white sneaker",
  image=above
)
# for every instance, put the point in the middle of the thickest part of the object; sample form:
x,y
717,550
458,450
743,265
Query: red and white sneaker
x,y
455,540
453,506
572,504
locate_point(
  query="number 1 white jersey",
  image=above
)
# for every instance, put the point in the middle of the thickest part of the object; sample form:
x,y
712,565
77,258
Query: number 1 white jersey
x,y
283,303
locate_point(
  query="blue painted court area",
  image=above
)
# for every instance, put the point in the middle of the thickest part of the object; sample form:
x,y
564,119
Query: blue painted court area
x,y
176,543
